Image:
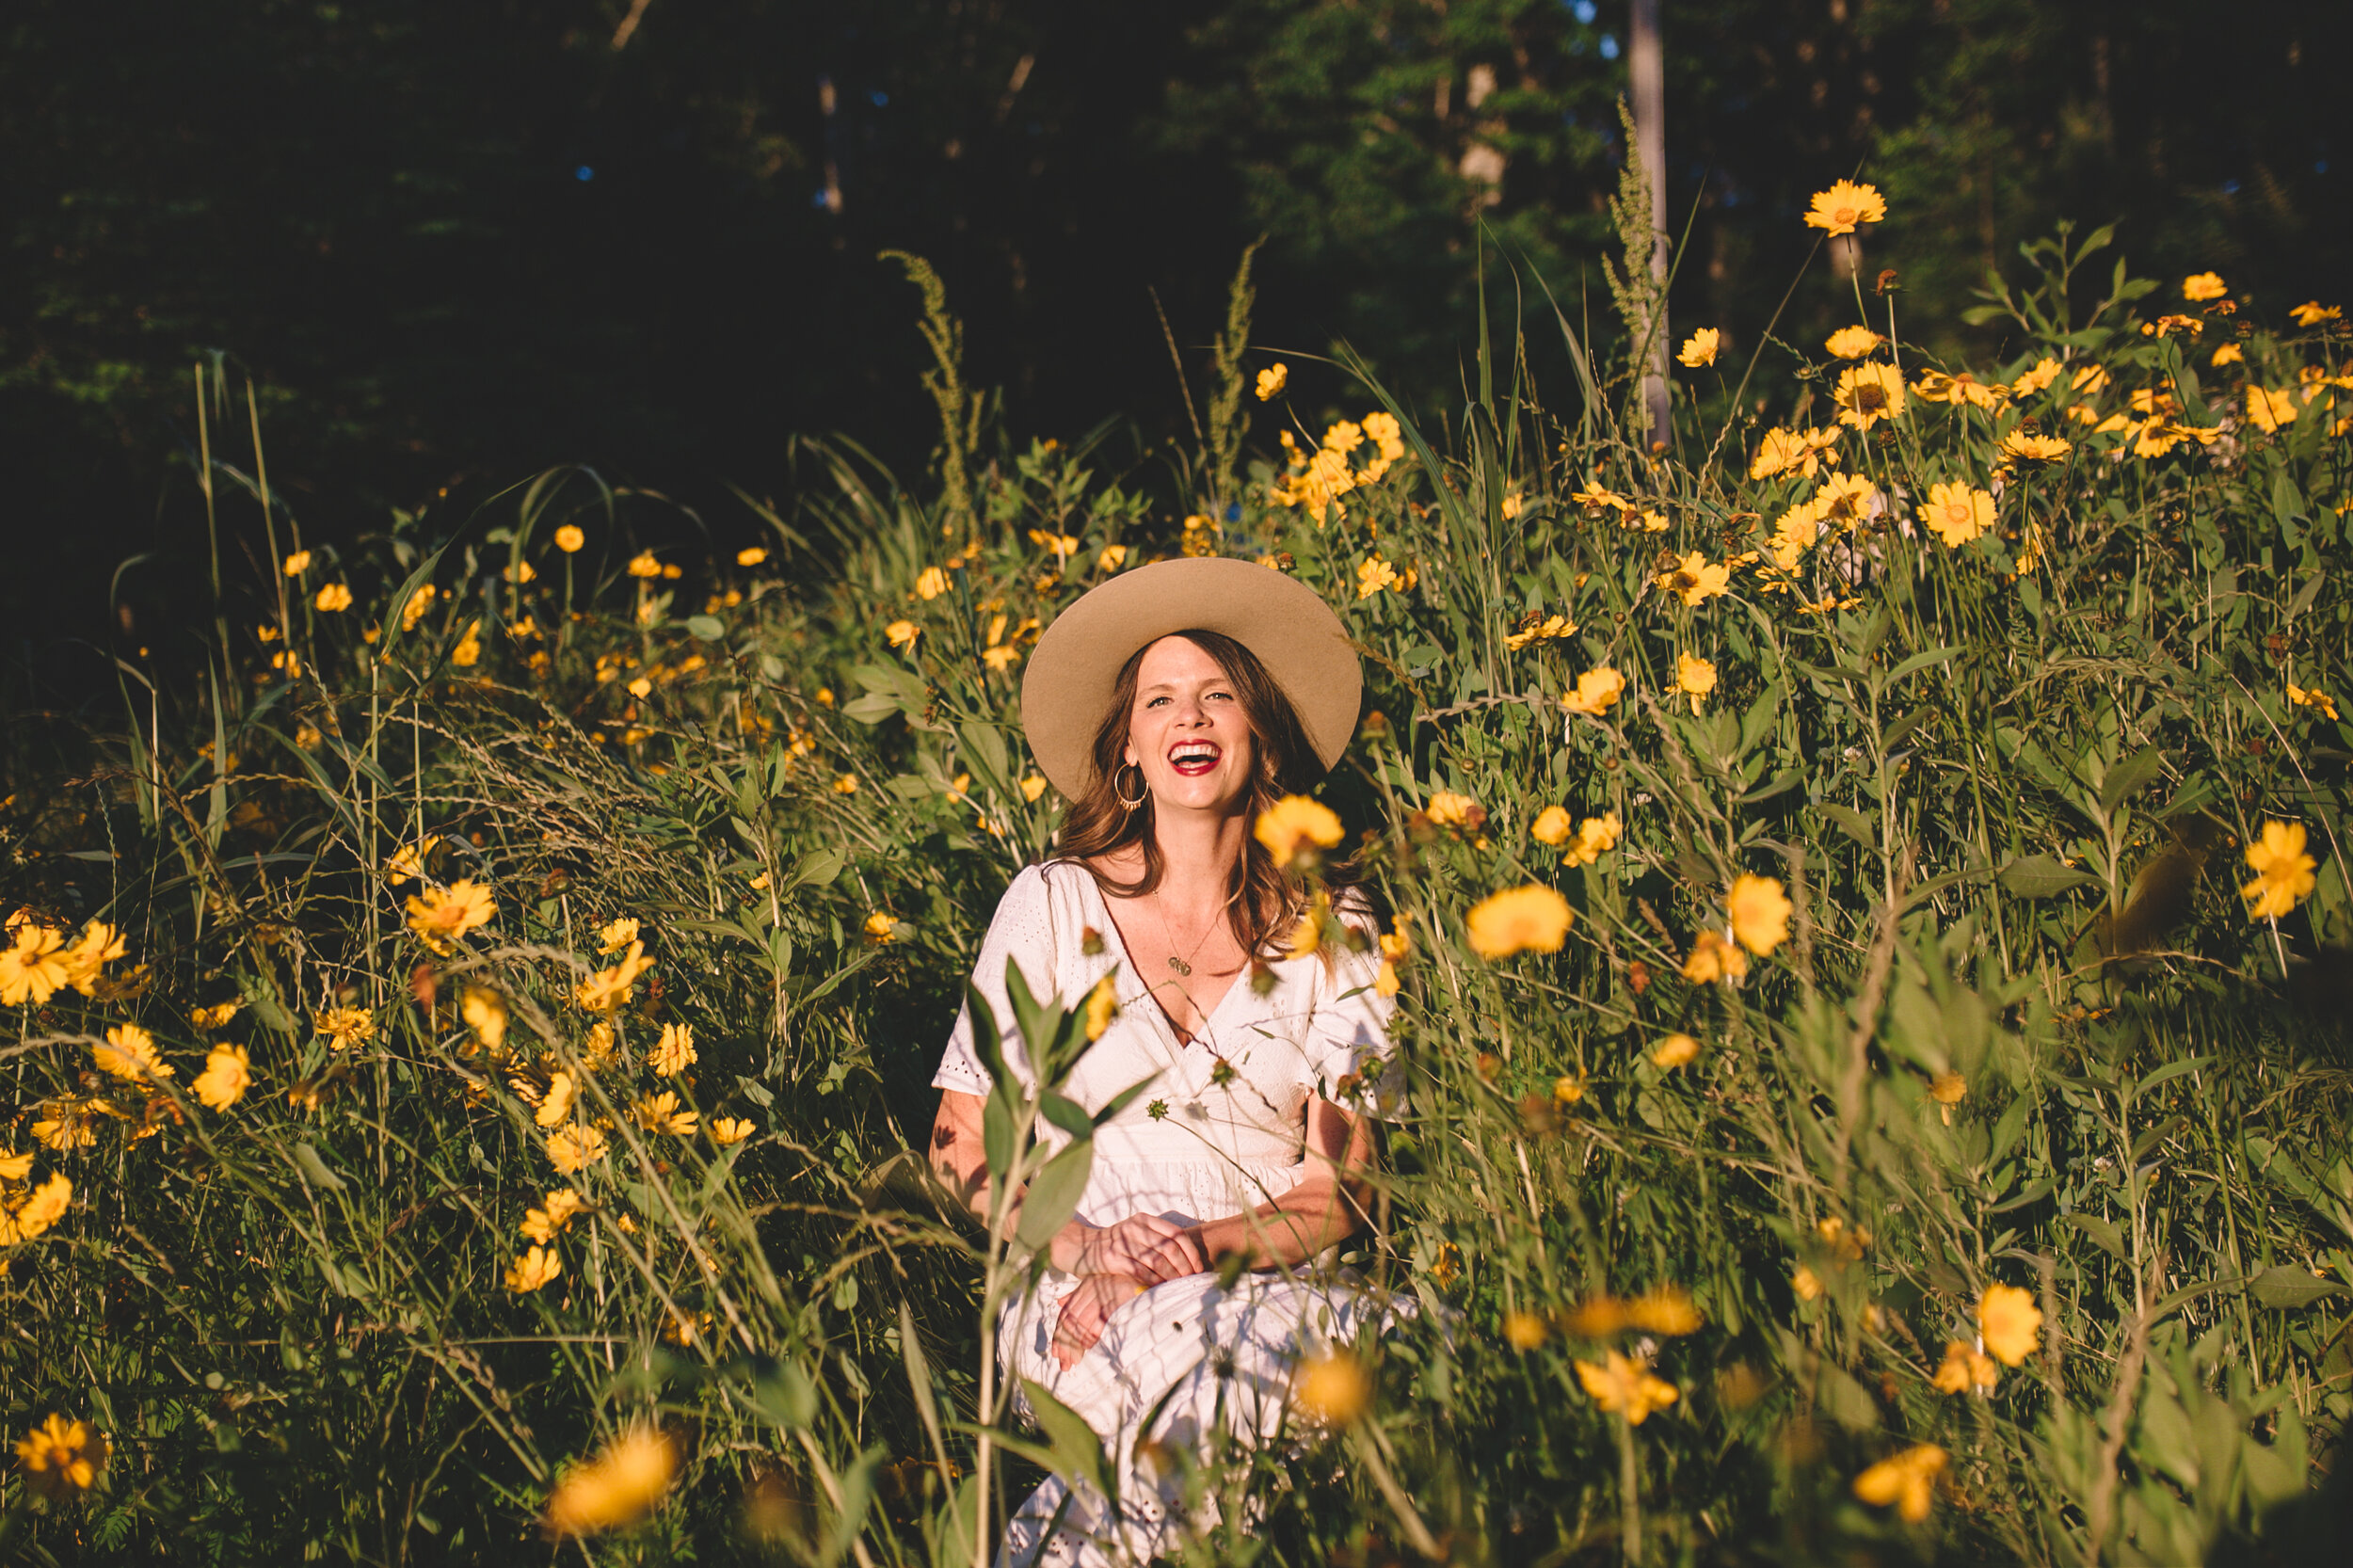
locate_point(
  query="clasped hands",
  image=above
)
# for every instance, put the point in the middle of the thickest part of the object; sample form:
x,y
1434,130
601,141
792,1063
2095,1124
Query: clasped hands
x,y
1115,1264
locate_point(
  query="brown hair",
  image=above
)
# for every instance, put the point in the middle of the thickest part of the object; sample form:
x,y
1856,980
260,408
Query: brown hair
x,y
1262,904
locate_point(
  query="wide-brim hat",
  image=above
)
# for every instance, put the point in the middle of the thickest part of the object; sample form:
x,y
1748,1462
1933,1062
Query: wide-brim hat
x,y
1067,688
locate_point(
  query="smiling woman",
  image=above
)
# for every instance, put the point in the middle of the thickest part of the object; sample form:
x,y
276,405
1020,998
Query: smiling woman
x,y
1248,1147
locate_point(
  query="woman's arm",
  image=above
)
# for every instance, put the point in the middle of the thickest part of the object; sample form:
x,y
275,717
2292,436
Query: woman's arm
x,y
1332,1202
1143,1247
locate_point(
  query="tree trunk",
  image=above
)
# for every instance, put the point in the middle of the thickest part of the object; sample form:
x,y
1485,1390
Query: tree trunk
x,y
1647,68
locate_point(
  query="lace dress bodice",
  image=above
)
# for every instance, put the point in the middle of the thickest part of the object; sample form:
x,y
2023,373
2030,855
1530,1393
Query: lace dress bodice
x,y
1201,1141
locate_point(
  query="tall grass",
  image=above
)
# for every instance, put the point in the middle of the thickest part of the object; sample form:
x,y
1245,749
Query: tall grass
x,y
2021,1029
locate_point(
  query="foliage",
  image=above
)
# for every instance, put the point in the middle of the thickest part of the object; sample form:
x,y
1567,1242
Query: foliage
x,y
1911,1094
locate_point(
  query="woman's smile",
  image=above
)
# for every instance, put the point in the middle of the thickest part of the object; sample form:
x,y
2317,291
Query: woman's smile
x,y
1186,733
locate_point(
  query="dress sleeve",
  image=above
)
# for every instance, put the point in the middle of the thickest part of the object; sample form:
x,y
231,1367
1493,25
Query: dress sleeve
x,y
1021,931
1348,1033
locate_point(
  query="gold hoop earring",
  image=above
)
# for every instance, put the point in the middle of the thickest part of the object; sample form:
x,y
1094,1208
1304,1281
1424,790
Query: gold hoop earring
x,y
1144,791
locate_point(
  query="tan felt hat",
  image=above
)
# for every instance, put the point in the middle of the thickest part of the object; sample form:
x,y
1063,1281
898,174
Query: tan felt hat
x,y
1067,687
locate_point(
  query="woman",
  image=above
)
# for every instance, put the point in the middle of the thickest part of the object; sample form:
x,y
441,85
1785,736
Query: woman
x,y
1171,706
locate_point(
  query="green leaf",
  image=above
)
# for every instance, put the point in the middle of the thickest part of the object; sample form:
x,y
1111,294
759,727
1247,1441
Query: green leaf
x,y
315,1169
2287,1288
2104,1234
2168,1072
1053,1194
2127,778
1856,825
870,709
1078,1451
2039,876
706,627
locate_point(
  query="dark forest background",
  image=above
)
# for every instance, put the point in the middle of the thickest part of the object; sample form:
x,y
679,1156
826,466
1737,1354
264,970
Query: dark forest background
x,y
452,243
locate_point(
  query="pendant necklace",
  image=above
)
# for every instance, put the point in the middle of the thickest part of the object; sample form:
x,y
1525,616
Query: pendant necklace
x,y
1182,966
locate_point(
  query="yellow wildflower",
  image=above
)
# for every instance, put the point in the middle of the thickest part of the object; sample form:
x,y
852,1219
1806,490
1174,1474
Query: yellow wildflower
x,y
228,1072
1699,348
1460,812
1595,836
618,1487
1844,207
446,914
2270,410
1867,394
2020,447
28,1214
1696,579
130,1052
1760,913
98,945
1524,1331
2312,312
62,1458
751,555
345,1028
2229,354
881,926
1694,679
660,1113
902,633
1948,1090
1789,452
534,1268
68,1125
409,861
32,969
1033,786
2284,873
569,539
298,563
1102,1007
1907,1481
575,1148
1956,513
2311,697
2046,371
216,1017
1854,343
1272,381
2202,286
1623,1384
619,935
1567,1088
418,603
1551,826
1806,1283
333,599
1676,1050
930,583
541,1224
1665,1309
2166,326
674,1052
1519,919
725,1130
1112,557
607,989
1373,575
2010,1323
556,1104
1296,825
1715,956
1597,689
1966,1369
1536,628
644,564
1332,1388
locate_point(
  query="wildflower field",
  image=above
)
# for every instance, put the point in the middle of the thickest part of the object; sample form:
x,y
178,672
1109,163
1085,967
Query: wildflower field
x,y
1864,882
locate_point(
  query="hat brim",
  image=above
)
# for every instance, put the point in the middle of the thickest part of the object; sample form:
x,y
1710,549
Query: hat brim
x,y
1067,688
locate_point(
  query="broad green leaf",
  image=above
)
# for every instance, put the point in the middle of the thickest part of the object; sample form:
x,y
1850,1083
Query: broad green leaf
x,y
2288,1289
2039,876
1052,1196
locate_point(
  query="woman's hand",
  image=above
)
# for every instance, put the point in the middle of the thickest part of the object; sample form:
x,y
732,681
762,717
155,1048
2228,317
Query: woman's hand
x,y
1144,1247
1085,1311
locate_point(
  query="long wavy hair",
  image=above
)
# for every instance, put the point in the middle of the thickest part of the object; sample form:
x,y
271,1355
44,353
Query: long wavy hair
x,y
1262,904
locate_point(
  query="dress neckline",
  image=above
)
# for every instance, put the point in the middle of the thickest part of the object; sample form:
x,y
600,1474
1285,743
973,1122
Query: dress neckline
x,y
1184,1041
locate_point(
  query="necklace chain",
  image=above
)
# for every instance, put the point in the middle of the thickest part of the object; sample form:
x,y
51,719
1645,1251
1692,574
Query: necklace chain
x,y
1182,966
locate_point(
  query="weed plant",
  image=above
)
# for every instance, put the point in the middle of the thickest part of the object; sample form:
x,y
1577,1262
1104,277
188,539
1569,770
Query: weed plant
x,y
1847,1105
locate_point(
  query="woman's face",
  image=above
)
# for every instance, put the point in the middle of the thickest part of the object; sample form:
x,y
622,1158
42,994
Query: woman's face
x,y
1187,731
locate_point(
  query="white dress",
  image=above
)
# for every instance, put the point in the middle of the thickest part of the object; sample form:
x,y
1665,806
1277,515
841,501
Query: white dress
x,y
1187,1356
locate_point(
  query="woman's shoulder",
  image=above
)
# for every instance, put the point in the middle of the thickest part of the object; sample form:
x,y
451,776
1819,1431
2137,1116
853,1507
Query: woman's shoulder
x,y
1041,892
